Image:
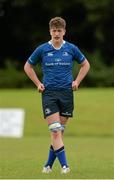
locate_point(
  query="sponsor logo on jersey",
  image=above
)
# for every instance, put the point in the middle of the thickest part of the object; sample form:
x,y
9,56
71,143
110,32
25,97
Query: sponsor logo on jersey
x,y
57,64
49,54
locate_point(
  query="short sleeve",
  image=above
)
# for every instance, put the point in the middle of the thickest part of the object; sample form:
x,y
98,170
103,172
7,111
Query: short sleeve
x,y
35,56
78,55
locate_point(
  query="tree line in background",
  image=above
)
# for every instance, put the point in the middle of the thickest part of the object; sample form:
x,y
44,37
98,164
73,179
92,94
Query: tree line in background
x,y
24,25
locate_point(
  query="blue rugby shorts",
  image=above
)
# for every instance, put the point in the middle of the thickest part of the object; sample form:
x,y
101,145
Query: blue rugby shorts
x,y
61,101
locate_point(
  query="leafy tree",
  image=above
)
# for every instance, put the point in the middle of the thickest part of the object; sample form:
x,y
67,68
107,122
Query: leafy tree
x,y
90,25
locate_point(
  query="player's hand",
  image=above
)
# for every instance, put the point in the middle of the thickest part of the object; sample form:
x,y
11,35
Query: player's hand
x,y
75,85
41,88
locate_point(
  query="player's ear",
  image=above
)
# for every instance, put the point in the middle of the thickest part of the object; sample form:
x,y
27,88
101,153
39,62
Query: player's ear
x,y
50,31
64,32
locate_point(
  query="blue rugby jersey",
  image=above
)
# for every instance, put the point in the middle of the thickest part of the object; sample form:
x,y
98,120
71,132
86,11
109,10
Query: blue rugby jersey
x,y
56,63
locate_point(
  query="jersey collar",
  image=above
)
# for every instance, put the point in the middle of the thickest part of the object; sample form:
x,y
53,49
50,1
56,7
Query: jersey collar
x,y
59,47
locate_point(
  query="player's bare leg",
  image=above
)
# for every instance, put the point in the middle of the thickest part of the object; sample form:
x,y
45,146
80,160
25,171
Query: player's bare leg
x,y
56,141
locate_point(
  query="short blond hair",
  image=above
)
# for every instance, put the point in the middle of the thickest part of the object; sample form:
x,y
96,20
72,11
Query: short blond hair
x,y
57,22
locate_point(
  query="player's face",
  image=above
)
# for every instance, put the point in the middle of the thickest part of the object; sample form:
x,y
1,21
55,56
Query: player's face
x,y
57,34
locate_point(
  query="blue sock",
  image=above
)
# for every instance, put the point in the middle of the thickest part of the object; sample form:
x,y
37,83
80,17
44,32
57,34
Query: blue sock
x,y
51,157
60,153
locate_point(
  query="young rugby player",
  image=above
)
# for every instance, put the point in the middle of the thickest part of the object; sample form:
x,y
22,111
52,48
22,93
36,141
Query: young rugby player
x,y
56,57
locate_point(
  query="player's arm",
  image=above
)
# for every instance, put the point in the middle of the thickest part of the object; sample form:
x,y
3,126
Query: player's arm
x,y
85,66
28,68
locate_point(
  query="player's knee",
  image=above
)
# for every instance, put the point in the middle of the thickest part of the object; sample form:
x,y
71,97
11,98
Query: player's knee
x,y
55,127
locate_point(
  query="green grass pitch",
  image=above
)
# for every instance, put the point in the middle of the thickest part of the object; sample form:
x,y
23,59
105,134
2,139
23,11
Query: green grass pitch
x,y
89,137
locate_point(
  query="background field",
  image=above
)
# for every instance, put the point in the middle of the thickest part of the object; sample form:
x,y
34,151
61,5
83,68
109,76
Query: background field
x,y
89,137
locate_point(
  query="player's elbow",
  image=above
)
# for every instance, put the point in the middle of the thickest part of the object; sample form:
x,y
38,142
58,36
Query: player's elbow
x,y
88,65
26,67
